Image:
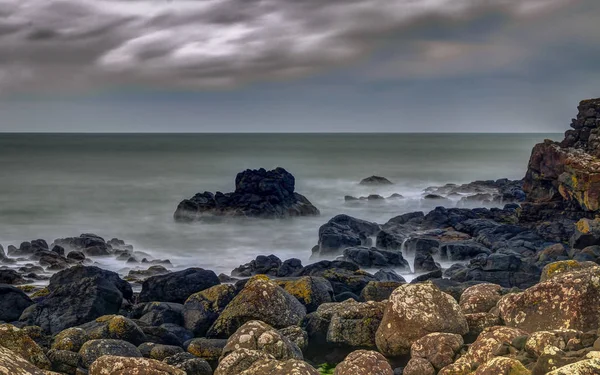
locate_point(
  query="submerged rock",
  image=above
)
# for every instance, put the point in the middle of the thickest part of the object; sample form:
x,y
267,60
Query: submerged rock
x,y
258,193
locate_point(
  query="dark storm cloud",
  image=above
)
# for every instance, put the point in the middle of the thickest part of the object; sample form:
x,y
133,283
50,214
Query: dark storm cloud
x,y
66,44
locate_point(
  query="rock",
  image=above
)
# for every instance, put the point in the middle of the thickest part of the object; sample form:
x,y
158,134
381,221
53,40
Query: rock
x,y
378,290
364,362
502,366
77,256
12,303
569,300
13,364
419,366
275,367
157,313
296,335
117,365
480,298
439,349
16,340
373,257
343,276
202,309
425,263
462,250
537,342
177,286
94,349
11,277
563,266
71,339
585,367
258,193
389,275
375,180
160,352
261,299
256,335
239,361
113,327
587,233
478,322
262,265
64,361
289,267
78,295
208,349
413,311
344,231
189,363
311,291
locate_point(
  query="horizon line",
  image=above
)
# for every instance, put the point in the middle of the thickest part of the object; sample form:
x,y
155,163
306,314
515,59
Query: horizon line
x,y
261,132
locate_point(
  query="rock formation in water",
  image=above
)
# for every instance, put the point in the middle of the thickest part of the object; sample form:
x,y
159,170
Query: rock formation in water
x,y
563,178
258,193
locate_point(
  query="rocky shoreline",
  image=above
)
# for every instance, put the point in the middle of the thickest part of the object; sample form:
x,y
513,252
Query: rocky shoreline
x,y
522,296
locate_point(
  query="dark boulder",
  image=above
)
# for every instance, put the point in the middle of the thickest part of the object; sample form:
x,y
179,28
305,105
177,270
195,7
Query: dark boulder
x,y
289,267
12,303
88,243
78,295
344,276
375,180
462,250
202,309
344,231
262,265
94,349
388,275
177,286
373,257
11,277
424,262
258,193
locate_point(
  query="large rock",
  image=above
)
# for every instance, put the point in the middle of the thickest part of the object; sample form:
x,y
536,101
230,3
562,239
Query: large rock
x,y
586,367
240,360
480,298
256,335
94,349
261,299
115,365
587,233
439,349
18,341
274,367
177,286
344,231
364,362
373,258
202,309
13,364
258,193
12,303
78,295
375,180
311,291
568,300
413,311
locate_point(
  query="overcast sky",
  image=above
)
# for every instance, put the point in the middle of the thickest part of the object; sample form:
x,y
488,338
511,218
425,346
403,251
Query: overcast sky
x,y
296,65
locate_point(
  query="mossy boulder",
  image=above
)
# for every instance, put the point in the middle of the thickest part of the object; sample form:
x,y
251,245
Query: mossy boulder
x,y
439,349
209,349
570,300
202,309
563,266
256,335
480,298
114,327
64,361
70,339
19,342
480,321
413,311
364,362
115,365
94,349
240,360
502,366
261,299
585,367
311,291
13,364
379,290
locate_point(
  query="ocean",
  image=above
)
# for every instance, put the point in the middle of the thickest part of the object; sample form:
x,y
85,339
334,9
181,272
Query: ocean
x,y
128,185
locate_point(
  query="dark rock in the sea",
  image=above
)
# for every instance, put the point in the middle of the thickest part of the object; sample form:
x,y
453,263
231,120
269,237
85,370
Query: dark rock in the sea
x,y
428,276
462,250
262,265
344,276
11,277
373,257
77,256
289,267
78,295
390,240
388,275
422,244
344,231
88,243
258,193
424,262
58,250
177,286
12,303
502,190
507,269
375,180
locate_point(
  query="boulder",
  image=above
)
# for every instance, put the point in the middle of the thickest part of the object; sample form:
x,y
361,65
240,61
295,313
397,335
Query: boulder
x,y
375,180
13,364
262,265
158,313
64,361
177,286
11,277
240,360
71,339
311,291
94,349
189,363
379,290
17,340
160,351
502,366
202,309
480,298
208,349
413,311
274,367
568,300
261,299
344,231
556,268
256,335
587,233
110,327
373,257
12,303
439,349
419,366
78,295
585,367
258,193
364,362
117,365
296,335
462,250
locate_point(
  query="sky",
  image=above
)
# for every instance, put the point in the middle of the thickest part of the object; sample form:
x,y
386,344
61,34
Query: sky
x,y
296,65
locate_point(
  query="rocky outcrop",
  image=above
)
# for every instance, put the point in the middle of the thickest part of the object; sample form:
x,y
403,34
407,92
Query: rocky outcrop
x,y
177,286
563,179
258,193
375,180
344,231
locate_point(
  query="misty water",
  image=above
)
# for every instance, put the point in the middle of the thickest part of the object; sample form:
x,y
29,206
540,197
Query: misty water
x,y
128,186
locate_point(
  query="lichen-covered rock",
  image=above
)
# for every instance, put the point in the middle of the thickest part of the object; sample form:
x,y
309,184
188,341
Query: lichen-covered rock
x,y
296,335
18,341
240,360
379,290
537,341
160,352
311,291
256,335
419,366
64,361
275,367
502,366
364,362
414,311
261,299
70,339
587,233
585,367
440,349
189,363
202,309
94,349
12,302
114,327
480,321
209,349
177,286
556,268
457,368
13,364
480,298
114,365
570,300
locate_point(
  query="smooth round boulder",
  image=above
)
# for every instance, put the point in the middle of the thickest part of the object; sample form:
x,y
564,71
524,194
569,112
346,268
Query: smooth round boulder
x,y
240,360
275,367
70,339
94,349
440,349
364,362
114,327
12,303
413,311
480,298
115,365
261,299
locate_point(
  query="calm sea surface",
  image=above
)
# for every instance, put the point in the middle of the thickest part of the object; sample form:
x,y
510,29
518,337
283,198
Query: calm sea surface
x,y
127,186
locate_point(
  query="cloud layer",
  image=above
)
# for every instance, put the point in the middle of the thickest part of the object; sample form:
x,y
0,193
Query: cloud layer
x,y
72,44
